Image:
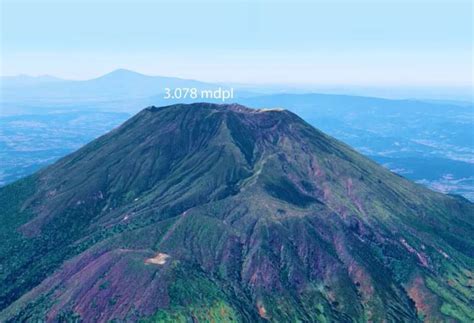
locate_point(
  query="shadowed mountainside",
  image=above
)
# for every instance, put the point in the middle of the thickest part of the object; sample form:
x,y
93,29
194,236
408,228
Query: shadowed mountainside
x,y
221,212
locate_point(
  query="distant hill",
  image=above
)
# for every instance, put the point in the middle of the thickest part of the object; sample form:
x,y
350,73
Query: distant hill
x,y
328,103
222,213
119,84
26,80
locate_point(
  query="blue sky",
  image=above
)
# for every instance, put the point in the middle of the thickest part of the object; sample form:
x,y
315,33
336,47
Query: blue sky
x,y
402,43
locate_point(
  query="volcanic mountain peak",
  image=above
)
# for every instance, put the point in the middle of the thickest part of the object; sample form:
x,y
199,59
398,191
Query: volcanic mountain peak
x,y
222,212
233,107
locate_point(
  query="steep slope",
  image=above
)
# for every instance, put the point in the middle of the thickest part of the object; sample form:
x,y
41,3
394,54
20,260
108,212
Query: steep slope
x,y
219,212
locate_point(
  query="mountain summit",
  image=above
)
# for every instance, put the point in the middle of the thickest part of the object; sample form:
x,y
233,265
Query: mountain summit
x,y
210,212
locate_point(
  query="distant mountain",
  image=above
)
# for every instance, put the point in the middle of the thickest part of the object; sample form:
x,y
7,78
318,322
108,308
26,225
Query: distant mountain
x,y
119,84
124,82
218,213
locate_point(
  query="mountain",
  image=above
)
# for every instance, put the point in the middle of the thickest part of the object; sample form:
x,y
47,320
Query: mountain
x,y
436,146
208,212
116,85
126,83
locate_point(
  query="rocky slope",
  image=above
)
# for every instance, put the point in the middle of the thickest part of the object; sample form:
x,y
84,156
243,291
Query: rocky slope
x,y
218,212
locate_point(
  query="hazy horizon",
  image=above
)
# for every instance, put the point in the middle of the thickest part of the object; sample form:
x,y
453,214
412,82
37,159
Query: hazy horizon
x,y
453,93
392,43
